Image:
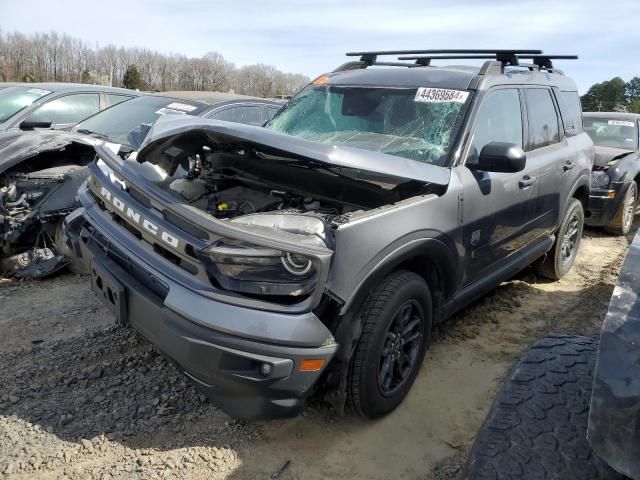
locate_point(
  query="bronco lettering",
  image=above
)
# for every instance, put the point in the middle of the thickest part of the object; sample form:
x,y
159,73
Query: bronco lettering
x,y
136,218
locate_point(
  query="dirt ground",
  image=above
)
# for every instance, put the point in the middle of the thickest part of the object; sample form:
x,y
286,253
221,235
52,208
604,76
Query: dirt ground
x,y
82,398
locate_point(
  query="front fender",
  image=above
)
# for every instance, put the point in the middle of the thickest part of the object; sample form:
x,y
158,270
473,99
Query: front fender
x,y
583,181
625,170
436,248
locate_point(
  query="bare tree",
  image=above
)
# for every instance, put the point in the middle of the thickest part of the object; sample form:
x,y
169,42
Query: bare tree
x,y
54,56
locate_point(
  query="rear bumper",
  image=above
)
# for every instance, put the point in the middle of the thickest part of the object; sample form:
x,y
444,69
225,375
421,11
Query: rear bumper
x,y
224,363
604,204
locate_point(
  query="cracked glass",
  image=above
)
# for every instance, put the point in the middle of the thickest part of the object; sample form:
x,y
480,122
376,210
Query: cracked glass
x,y
387,120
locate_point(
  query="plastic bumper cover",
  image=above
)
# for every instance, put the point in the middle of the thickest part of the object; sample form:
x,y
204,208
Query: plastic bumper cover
x,y
603,205
228,366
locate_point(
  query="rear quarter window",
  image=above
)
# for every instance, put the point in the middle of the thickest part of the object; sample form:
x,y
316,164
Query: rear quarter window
x,y
115,99
571,111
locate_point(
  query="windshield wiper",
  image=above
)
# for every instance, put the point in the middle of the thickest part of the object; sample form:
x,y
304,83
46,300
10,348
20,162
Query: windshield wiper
x,y
92,133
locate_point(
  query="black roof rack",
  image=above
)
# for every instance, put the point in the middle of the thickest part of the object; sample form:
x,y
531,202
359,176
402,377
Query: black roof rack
x,y
370,58
444,52
498,58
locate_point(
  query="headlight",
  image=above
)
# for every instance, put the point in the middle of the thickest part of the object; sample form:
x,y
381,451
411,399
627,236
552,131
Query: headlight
x,y
252,269
599,179
297,265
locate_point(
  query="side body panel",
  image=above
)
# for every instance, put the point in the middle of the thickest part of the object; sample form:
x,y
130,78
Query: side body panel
x,y
497,218
577,173
364,245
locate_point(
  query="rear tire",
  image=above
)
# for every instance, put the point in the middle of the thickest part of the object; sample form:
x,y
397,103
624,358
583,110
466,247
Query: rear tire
x,y
622,222
559,260
537,426
396,329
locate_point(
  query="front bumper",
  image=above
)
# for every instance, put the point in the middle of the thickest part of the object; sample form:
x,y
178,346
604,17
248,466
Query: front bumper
x,y
221,347
604,204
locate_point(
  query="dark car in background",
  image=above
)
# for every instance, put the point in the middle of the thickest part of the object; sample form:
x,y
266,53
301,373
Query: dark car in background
x,y
232,107
55,105
40,172
616,172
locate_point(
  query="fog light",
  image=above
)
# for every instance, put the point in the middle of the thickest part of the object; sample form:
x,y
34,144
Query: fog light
x,y
265,369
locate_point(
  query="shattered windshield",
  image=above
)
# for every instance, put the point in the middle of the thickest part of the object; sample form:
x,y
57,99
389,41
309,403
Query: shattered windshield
x,y
414,123
14,99
607,132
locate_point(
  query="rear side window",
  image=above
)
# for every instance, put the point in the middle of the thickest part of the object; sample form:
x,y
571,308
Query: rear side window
x,y
242,114
543,119
499,120
71,109
571,111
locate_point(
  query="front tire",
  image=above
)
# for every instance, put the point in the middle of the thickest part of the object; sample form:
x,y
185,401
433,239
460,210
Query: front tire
x,y
396,329
622,222
559,260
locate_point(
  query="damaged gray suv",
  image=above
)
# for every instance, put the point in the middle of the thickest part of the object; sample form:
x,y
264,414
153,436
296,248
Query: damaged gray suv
x,y
318,253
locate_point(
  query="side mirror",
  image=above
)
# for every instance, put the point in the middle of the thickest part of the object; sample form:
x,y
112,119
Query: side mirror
x,y
500,157
32,122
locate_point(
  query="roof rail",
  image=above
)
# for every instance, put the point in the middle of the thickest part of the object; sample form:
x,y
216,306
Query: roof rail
x,y
425,60
360,64
545,61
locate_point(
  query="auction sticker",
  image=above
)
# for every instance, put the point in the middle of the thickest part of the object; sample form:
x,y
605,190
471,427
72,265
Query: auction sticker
x,y
440,95
169,111
39,91
183,107
621,123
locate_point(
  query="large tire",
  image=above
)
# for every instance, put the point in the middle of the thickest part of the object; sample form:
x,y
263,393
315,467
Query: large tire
x,y
537,426
623,221
384,366
557,263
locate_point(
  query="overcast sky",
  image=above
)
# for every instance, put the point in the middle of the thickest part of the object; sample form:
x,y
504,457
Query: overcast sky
x,y
311,36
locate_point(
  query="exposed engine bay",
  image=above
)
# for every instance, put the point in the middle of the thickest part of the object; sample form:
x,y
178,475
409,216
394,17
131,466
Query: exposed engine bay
x,y
230,184
226,199
33,202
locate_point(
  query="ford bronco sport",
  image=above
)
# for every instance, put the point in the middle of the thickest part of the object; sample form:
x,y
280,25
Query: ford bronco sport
x,y
317,253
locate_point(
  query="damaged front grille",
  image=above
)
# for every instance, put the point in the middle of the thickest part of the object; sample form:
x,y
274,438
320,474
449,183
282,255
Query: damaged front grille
x,y
185,226
136,232
97,242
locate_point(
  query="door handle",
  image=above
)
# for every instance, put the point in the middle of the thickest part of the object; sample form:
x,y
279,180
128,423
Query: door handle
x,y
526,182
568,165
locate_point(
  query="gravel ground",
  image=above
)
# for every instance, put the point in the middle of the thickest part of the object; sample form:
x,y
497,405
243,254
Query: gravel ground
x,y
82,398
